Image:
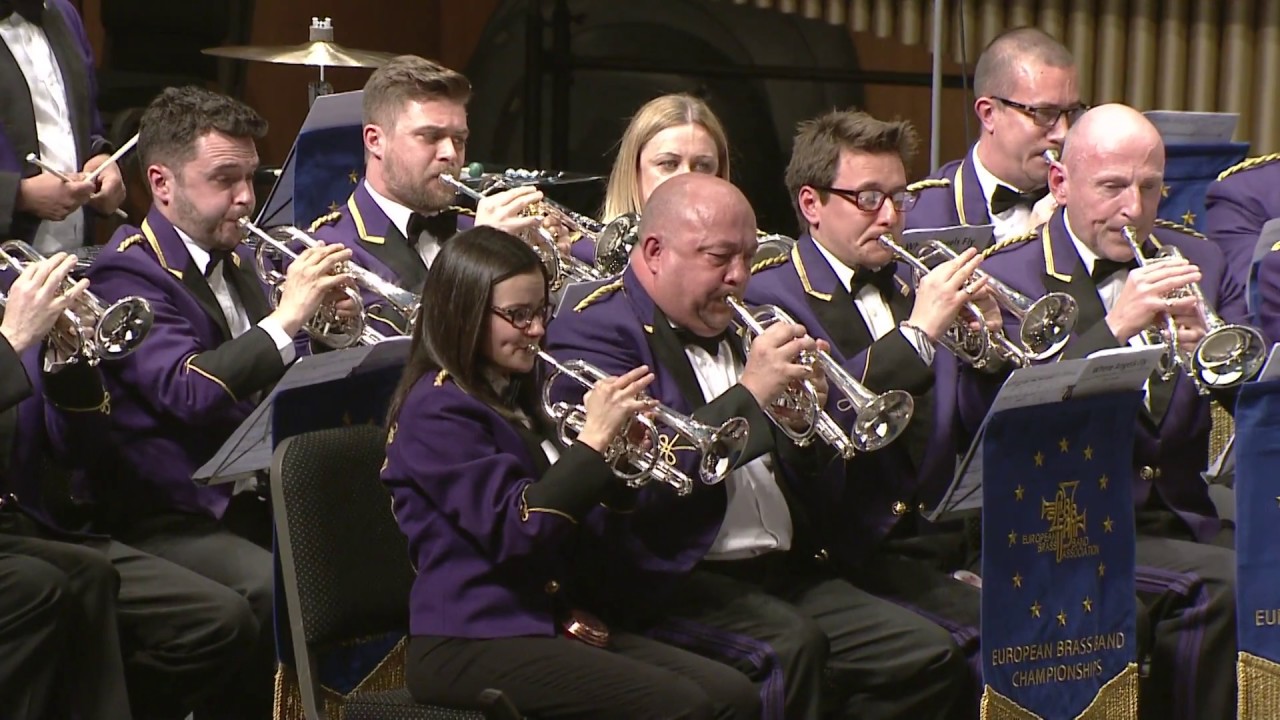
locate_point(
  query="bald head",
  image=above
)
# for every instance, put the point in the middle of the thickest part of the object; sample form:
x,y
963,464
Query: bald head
x,y
693,199
1109,129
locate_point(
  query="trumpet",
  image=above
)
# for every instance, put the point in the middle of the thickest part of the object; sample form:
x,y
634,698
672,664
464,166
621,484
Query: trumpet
x,y
88,328
879,419
1228,354
560,267
614,243
328,326
1046,323
719,448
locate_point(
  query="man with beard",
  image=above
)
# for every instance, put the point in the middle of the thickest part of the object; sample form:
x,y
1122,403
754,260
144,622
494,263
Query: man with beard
x,y
415,128
214,346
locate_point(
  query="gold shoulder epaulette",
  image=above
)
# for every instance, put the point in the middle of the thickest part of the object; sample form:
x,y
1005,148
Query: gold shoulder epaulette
x,y
927,183
135,239
1171,225
441,377
767,263
1010,241
324,220
462,210
1247,163
598,294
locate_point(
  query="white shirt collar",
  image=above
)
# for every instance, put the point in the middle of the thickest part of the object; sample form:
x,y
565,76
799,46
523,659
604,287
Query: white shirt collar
x,y
199,255
1087,256
986,180
844,272
397,213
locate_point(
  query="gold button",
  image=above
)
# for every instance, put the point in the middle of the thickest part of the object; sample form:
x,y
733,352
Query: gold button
x,y
899,508
552,587
1147,472
922,509
821,556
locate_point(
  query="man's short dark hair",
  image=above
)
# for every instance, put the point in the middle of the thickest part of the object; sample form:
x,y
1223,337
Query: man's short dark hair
x,y
410,78
994,74
179,116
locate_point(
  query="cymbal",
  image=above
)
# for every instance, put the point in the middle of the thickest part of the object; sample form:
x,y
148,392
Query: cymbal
x,y
318,53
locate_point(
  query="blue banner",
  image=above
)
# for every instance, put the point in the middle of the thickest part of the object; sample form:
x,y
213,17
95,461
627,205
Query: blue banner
x,y
1188,171
330,162
1058,600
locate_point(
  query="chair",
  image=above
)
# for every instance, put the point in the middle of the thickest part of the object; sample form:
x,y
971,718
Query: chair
x,y
345,566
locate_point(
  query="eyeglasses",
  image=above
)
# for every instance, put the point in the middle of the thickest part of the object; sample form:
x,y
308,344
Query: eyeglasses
x,y
1046,116
523,316
872,200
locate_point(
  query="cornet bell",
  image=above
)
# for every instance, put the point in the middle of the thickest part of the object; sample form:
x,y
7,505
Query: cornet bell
x,y
123,327
1048,324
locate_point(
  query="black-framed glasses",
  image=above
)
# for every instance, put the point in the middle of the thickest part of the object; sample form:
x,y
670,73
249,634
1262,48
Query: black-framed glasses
x,y
872,200
1046,116
523,316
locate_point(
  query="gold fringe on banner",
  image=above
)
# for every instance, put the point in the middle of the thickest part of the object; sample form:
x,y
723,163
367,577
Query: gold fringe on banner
x,y
388,675
1116,700
1258,685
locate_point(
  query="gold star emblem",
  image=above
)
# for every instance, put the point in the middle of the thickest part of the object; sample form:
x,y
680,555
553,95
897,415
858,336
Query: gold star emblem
x,y
1039,459
1102,482
1035,609
1017,580
353,176
1088,605
1188,218
1017,492
1164,191
1107,524
1063,445
1102,569
333,206
1013,538
1088,452
1062,618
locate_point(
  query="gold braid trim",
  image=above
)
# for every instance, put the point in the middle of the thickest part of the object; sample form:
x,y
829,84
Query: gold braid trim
x,y
125,244
324,220
387,676
461,210
1010,241
441,377
1258,688
767,263
1171,225
598,294
1247,163
927,183
1116,700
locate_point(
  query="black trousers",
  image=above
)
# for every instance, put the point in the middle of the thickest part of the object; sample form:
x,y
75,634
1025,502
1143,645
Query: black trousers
x,y
59,648
234,555
557,678
841,651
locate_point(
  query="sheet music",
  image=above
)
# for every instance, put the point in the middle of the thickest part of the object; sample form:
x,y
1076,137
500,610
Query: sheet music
x,y
1184,127
957,237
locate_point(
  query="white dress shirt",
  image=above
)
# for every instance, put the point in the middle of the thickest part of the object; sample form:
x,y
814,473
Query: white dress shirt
x,y
874,308
756,519
427,246
30,48
1014,221
232,309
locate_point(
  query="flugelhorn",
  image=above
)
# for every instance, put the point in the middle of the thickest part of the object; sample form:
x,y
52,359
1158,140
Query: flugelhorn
x,y
1046,323
719,448
879,419
89,328
1228,354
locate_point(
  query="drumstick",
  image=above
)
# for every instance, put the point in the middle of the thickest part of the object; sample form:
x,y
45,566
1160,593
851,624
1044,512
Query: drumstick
x,y
35,160
114,157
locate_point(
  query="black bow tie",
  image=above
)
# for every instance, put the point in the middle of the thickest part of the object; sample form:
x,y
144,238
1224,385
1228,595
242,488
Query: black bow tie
x,y
441,226
216,258
1104,268
881,279
1006,198
710,344
31,10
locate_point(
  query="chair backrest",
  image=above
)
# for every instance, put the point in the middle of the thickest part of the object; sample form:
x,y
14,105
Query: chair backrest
x,y
344,561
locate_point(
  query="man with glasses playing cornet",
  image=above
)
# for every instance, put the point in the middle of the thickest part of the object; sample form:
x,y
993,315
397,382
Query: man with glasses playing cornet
x,y
740,563
1108,186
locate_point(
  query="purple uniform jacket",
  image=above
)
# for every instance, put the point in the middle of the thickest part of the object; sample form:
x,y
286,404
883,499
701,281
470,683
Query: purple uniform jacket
x,y
490,522
636,557
950,196
182,393
1172,442
378,245
1267,286
1236,208
916,469
65,30
63,418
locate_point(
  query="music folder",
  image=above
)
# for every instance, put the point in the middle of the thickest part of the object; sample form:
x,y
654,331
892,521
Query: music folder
x,y
249,449
1123,369
337,112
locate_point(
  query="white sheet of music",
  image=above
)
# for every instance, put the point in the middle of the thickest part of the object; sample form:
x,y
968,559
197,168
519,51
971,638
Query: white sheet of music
x,y
956,237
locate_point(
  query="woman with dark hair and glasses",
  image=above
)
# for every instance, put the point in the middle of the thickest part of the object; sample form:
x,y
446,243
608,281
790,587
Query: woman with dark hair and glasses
x,y
491,504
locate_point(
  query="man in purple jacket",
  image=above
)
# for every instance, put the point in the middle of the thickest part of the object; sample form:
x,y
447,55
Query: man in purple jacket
x,y
214,347
1237,205
1027,98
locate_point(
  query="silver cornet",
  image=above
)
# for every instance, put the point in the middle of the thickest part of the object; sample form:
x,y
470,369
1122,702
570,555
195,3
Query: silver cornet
x,y
879,419
1046,323
614,243
88,328
1226,356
